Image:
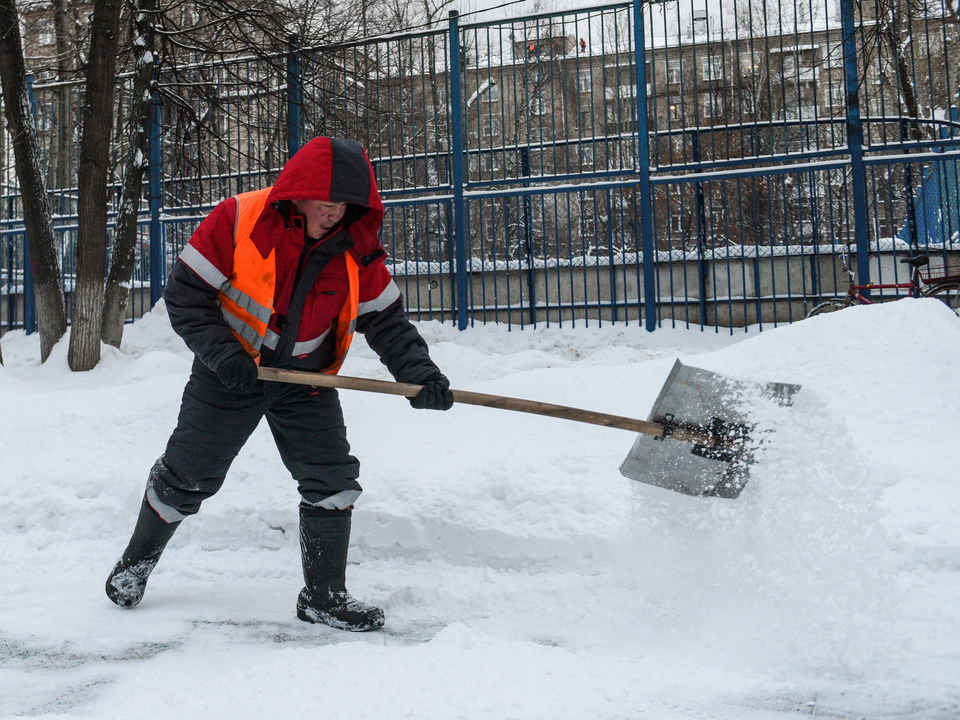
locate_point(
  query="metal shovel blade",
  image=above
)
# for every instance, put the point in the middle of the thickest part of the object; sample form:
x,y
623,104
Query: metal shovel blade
x,y
692,397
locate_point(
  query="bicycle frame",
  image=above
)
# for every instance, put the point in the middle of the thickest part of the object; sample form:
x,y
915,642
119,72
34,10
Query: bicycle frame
x,y
855,291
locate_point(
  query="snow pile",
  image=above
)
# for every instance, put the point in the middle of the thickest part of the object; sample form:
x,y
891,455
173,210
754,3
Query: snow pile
x,y
521,575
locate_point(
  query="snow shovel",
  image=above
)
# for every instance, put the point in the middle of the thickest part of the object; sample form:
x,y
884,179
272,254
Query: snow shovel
x,y
693,443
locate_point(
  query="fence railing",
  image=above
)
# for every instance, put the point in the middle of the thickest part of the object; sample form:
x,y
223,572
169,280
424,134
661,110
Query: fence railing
x,y
520,186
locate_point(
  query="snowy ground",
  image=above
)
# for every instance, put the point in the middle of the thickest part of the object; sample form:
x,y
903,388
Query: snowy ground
x,y
521,575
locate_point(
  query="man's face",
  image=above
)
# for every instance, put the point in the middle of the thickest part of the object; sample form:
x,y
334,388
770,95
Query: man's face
x,y
320,215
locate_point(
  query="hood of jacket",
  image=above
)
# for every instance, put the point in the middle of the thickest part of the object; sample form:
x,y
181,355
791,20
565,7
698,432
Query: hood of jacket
x,y
332,170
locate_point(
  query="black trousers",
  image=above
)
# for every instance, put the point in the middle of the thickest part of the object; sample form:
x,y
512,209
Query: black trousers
x,y
215,422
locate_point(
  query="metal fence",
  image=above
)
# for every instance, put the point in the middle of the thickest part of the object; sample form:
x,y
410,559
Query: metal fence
x,y
520,187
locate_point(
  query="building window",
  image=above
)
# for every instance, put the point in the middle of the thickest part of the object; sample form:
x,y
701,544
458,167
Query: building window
x,y
838,94
586,156
588,217
586,120
585,80
675,109
190,16
490,163
613,111
622,112
712,67
673,71
834,56
490,125
492,93
750,63
789,64
46,34
712,104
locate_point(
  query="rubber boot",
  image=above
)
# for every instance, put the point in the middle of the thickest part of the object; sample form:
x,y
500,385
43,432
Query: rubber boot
x,y
127,582
324,539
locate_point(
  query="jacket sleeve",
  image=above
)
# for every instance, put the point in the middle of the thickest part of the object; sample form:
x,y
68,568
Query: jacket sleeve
x,y
191,299
195,316
396,340
382,318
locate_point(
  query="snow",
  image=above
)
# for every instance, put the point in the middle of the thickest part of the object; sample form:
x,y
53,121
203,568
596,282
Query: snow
x,y
522,576
484,86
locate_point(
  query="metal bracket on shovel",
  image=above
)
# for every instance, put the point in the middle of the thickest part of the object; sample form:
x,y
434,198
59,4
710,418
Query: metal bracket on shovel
x,y
719,436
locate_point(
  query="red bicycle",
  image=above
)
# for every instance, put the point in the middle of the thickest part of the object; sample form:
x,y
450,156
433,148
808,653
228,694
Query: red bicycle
x,y
939,281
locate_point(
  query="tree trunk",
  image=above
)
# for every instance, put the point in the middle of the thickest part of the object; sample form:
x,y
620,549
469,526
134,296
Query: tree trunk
x,y
51,312
64,108
125,232
92,177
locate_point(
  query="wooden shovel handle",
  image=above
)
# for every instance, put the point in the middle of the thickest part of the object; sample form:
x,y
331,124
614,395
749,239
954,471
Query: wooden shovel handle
x,y
493,401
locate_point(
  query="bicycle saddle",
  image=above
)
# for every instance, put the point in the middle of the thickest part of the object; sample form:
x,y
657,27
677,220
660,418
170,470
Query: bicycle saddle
x,y
918,261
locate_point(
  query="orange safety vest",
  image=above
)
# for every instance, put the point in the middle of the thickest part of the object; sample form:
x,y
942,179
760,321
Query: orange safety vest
x,y
246,299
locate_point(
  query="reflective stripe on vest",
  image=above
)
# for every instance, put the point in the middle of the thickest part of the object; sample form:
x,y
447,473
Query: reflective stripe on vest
x,y
246,298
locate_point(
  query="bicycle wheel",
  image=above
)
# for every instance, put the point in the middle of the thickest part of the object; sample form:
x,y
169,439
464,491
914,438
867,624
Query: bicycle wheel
x,y
828,307
949,293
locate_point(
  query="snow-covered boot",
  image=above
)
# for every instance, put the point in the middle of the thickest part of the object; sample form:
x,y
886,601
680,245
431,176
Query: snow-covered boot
x,y
324,540
127,582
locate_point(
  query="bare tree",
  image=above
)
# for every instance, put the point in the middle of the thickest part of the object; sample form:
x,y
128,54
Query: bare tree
x,y
45,260
67,60
91,252
136,161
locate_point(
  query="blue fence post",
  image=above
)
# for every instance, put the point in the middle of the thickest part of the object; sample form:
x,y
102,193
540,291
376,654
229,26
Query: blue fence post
x,y
11,293
155,199
29,292
701,233
294,95
528,238
29,295
456,163
908,193
643,169
858,174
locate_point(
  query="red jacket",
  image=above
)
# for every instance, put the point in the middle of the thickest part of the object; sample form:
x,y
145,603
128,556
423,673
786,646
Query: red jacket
x,y
311,282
